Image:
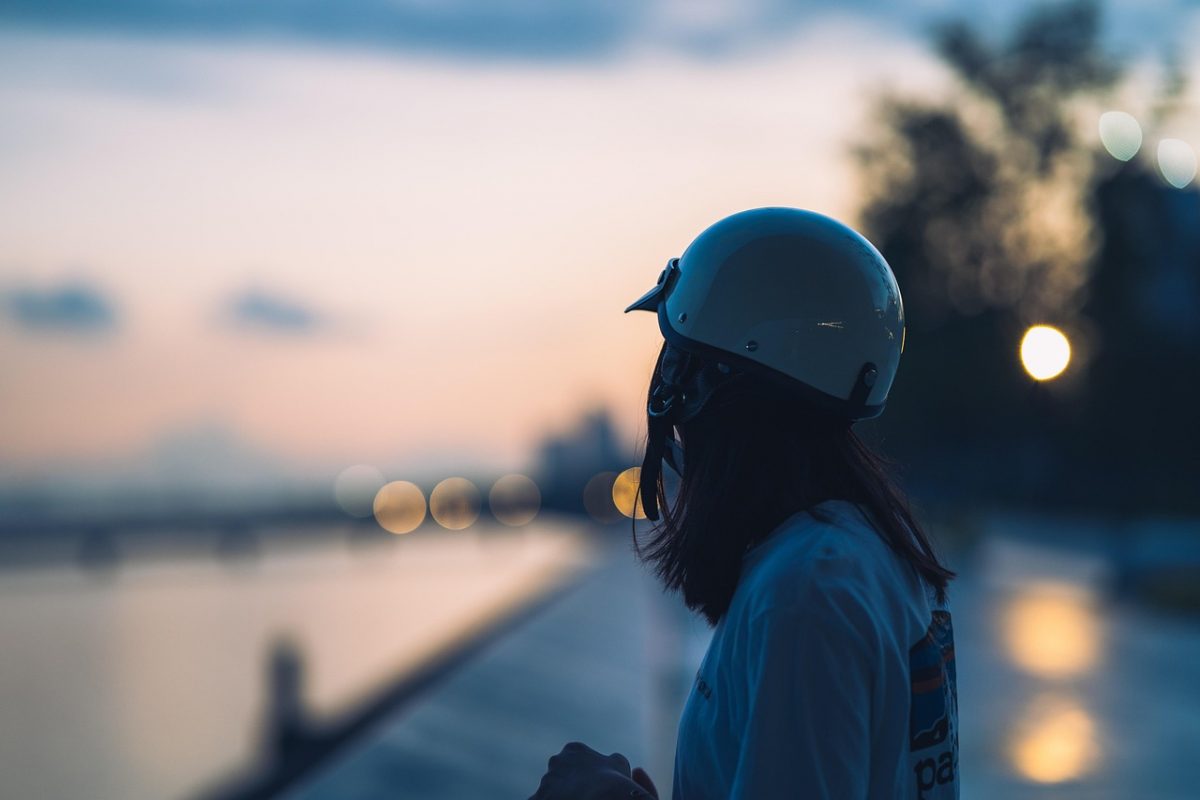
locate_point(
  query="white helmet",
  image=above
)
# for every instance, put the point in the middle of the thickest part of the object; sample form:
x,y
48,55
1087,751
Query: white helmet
x,y
787,294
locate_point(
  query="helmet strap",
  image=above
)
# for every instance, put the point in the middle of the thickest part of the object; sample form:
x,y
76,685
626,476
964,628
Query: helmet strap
x,y
867,376
682,385
660,430
667,395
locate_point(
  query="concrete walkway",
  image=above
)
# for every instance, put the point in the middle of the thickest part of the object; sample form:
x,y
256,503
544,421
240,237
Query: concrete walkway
x,y
609,664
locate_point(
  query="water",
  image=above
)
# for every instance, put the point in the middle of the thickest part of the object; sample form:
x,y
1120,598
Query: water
x,y
152,682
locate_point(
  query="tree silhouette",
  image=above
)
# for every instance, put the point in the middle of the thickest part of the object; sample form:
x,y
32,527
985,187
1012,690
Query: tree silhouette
x,y
995,215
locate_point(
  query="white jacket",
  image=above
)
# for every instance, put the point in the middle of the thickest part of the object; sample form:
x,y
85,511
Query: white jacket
x,y
831,676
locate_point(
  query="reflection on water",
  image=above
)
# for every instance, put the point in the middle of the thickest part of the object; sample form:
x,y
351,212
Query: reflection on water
x,y
1051,630
1055,742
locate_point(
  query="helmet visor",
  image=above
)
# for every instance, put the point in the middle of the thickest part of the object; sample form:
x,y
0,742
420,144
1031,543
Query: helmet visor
x,y
651,299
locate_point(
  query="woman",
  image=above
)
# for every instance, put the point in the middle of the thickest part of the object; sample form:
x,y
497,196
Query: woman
x,y
831,669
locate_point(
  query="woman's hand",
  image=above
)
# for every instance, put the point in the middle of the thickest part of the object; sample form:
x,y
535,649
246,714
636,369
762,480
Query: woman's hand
x,y
580,773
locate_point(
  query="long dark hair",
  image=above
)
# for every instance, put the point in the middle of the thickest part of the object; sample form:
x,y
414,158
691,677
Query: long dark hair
x,y
754,456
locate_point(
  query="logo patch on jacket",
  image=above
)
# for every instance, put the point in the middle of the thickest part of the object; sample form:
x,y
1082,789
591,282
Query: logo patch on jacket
x,y
933,715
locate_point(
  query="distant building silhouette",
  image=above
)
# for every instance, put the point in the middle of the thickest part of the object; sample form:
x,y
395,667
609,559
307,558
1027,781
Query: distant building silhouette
x,y
568,461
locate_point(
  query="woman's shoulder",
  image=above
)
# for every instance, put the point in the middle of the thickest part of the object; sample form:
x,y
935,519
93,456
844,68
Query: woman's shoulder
x,y
810,542
829,556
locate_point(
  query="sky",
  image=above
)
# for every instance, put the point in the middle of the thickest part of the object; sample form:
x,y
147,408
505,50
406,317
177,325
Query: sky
x,y
390,233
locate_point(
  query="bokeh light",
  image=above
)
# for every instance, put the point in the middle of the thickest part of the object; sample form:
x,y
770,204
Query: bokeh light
x,y
1176,162
1055,742
1120,134
514,500
400,507
1051,631
625,493
355,489
598,498
454,503
1045,352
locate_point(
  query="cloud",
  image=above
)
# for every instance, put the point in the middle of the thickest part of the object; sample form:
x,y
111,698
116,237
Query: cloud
x,y
537,30
73,307
554,30
259,310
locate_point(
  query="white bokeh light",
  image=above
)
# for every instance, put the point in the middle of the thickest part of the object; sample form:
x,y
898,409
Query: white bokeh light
x,y
1120,134
1177,162
355,489
1045,352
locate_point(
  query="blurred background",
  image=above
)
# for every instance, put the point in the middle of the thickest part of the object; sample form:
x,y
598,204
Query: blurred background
x,y
318,410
